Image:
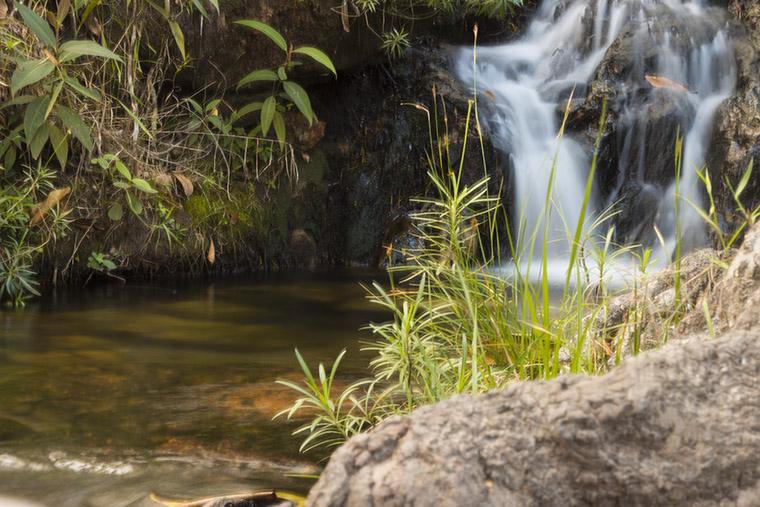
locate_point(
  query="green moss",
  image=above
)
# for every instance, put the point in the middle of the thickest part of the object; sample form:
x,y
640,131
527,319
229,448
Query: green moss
x,y
199,208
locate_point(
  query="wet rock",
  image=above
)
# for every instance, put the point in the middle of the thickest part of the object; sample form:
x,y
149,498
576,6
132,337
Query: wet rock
x,y
677,427
736,138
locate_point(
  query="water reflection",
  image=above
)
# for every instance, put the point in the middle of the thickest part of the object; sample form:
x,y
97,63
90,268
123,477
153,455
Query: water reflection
x,y
111,392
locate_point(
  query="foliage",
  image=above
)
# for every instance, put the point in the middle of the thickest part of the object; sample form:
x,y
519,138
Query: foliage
x,y
461,325
398,16
281,85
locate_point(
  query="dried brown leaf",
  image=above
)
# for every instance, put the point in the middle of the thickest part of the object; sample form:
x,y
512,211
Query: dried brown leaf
x,y
664,82
211,256
187,185
53,198
163,179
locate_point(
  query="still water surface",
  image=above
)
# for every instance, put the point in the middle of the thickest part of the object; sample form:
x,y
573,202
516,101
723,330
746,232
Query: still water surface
x,y
111,392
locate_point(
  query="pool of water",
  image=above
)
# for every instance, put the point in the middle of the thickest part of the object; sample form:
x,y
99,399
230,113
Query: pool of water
x,y
110,393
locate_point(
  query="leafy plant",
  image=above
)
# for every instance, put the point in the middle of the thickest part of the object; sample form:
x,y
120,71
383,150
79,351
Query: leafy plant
x,y
395,42
49,79
282,87
101,262
124,181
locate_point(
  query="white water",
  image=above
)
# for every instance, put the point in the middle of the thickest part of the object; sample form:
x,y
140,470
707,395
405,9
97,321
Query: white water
x,y
530,80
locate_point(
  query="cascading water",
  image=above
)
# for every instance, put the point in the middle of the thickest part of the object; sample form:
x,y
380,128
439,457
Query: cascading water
x,y
614,44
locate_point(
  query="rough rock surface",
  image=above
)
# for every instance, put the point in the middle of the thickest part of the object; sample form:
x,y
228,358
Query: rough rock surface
x,y
735,299
678,426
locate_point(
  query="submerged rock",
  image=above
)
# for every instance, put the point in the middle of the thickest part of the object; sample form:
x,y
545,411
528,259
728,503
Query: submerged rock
x,y
678,426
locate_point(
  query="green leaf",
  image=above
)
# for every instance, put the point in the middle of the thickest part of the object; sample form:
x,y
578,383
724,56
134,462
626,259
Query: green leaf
x,y
123,185
123,170
279,128
36,24
319,56
78,87
267,114
39,141
76,48
179,38
29,72
134,204
60,144
74,123
53,98
34,117
198,4
281,73
143,186
247,109
215,3
267,30
745,180
212,105
18,101
115,212
258,75
300,98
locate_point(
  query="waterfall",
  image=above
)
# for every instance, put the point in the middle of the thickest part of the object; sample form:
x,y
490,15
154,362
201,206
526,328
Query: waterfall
x,y
569,45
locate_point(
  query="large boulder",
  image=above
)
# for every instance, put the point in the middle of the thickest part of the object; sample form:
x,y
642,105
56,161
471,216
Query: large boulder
x,y
678,426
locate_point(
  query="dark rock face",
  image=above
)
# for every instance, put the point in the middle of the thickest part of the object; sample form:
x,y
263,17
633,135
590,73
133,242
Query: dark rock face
x,y
377,141
679,426
736,138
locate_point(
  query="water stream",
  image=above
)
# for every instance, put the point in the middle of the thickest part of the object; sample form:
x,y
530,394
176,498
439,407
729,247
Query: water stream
x,y
530,80
111,392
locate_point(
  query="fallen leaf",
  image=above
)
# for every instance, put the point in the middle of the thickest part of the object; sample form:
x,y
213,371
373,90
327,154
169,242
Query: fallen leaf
x,y
663,82
187,185
490,95
53,198
163,179
211,256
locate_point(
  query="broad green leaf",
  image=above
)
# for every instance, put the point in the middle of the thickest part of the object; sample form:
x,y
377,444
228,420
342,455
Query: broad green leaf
x,y
279,128
196,107
60,144
10,157
179,38
300,98
76,126
319,56
115,212
258,75
17,101
267,30
123,185
76,48
267,114
247,109
78,87
281,73
123,170
37,25
134,204
34,117
143,186
39,141
29,72
212,105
